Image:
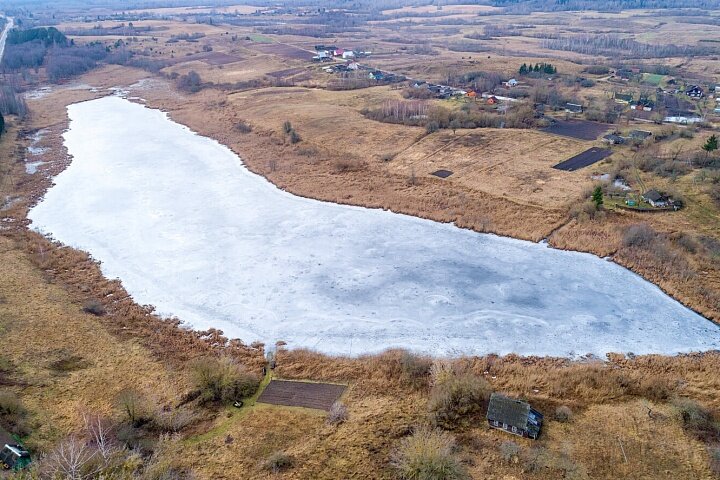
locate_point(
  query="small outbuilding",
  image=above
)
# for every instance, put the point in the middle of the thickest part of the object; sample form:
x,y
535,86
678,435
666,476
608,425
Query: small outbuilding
x,y
613,139
14,457
574,108
640,135
514,416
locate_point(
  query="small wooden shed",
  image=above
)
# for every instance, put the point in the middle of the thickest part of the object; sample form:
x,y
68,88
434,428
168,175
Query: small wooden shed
x,y
514,416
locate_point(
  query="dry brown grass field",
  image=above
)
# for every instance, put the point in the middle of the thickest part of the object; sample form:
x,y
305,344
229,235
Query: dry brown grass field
x,y
627,422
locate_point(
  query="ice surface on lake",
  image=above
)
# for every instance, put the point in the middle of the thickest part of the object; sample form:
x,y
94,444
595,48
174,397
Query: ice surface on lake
x,y
189,229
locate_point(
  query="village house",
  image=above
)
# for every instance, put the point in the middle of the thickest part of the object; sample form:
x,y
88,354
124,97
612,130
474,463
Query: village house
x,y
347,54
656,199
511,83
643,104
694,91
514,416
353,65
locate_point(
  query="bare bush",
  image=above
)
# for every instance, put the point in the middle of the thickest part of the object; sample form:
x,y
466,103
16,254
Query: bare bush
x,y
223,380
190,82
134,406
95,307
173,421
294,137
697,419
277,462
243,127
428,455
509,450
458,401
414,369
441,371
563,414
338,414
344,165
715,459
639,235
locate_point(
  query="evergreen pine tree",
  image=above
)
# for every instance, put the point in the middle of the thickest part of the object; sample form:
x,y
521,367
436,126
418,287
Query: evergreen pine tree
x,y
711,145
597,197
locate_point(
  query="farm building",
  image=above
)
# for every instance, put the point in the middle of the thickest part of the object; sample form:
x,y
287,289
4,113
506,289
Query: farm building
x,y
573,108
514,416
376,75
694,91
640,134
624,98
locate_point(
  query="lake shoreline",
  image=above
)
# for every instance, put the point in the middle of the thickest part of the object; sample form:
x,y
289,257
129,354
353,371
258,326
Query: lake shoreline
x,y
513,349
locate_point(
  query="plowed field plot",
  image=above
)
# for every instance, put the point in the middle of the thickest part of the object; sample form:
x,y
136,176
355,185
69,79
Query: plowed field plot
x,y
580,129
287,73
284,50
588,157
209,58
301,394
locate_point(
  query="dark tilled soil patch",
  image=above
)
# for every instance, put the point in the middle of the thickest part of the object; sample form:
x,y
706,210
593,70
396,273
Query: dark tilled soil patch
x,y
442,173
580,129
301,394
588,157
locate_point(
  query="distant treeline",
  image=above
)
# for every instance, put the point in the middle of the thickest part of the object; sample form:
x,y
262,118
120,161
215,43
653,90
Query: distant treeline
x,y
613,45
47,36
527,6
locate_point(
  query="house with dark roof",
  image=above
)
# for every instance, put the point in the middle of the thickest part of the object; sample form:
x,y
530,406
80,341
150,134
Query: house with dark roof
x,y
694,91
655,198
514,416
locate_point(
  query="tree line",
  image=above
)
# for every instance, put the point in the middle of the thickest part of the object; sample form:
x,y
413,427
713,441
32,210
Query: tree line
x,y
548,68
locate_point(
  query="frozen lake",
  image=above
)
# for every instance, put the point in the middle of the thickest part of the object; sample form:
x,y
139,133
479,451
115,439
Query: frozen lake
x,y
187,228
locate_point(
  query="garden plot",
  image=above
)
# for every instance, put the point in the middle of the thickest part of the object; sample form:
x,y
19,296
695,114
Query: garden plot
x,y
189,229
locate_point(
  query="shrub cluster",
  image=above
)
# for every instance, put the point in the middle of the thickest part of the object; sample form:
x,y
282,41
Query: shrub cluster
x,y
458,400
428,455
223,380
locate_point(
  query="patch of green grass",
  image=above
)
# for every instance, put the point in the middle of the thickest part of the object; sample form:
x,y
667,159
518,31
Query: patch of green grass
x,y
652,78
260,38
231,414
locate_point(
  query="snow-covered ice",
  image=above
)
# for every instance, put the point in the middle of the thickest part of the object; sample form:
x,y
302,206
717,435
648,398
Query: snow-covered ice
x,y
187,228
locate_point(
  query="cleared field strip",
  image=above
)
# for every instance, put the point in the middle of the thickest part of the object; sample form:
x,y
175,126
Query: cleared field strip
x,y
320,396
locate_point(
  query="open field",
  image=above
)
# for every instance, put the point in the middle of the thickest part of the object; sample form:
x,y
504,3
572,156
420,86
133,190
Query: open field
x,y
496,162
